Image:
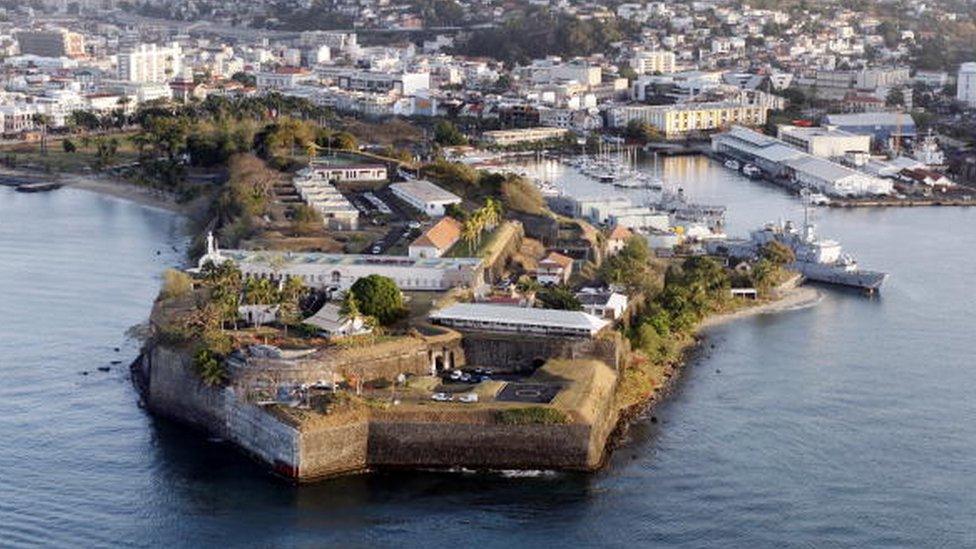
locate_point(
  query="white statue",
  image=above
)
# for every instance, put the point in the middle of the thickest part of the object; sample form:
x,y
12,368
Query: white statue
x,y
211,244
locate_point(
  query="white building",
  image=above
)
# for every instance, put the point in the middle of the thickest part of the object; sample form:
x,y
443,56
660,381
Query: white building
x,y
650,62
399,83
555,269
425,196
281,78
602,303
332,324
319,193
966,84
341,271
150,63
522,320
343,173
825,142
833,179
780,160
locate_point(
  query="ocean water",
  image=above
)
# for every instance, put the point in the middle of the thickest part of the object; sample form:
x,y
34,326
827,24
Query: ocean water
x,y
852,423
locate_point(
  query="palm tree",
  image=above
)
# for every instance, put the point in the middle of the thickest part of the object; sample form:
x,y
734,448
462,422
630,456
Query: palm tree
x,y
470,232
349,309
479,219
42,120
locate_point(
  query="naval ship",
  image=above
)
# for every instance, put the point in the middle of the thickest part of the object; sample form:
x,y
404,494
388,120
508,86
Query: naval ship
x,y
818,259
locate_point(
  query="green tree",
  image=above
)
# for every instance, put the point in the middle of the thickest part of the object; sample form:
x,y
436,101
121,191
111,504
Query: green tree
x,y
895,98
559,297
777,253
348,309
68,146
210,367
378,296
446,134
289,301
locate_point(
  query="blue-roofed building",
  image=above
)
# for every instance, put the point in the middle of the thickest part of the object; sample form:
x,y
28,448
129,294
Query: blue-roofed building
x,y
881,126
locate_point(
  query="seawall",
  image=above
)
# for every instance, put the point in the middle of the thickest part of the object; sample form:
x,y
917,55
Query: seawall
x,y
366,438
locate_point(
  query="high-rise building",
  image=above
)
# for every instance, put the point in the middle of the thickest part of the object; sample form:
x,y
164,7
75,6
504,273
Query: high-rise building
x,y
966,84
147,63
651,62
51,43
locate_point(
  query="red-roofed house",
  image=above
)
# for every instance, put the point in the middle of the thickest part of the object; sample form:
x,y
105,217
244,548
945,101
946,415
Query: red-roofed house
x,y
618,239
554,269
436,240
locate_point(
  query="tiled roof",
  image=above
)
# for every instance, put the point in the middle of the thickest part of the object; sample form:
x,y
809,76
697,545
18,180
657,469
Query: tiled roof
x,y
559,259
442,235
620,233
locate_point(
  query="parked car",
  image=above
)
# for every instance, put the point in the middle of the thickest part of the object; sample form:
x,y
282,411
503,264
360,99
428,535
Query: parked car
x,y
468,397
455,375
414,225
442,397
376,250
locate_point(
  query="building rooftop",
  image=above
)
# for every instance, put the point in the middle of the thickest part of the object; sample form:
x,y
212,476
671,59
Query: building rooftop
x,y
315,258
503,314
426,191
872,119
442,235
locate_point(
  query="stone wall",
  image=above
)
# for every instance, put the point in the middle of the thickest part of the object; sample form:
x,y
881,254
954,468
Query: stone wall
x,y
401,443
333,449
363,439
263,435
175,390
507,352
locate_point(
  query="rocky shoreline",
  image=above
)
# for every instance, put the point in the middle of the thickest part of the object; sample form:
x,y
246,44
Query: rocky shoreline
x,y
793,298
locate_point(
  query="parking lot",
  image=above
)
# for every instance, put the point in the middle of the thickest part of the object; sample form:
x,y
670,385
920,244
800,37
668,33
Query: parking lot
x,y
381,209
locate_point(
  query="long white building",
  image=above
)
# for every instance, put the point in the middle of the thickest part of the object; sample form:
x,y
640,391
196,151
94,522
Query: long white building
x,y
341,271
678,120
783,162
519,320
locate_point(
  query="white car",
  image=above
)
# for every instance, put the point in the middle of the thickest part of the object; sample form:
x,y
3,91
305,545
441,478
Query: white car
x,y
442,397
468,397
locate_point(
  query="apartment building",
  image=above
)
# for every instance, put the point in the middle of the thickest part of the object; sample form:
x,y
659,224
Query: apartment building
x,y
676,121
150,63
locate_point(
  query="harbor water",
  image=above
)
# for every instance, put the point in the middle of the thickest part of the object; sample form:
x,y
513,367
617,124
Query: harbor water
x,y
850,423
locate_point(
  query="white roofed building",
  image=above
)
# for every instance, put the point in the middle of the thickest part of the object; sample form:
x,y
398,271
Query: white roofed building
x,y
521,320
425,196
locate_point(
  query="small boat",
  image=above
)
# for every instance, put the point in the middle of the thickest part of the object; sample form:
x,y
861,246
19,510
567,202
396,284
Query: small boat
x,y
732,164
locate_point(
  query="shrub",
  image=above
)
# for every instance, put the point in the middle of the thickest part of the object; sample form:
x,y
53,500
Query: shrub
x,y
175,284
521,196
210,367
532,415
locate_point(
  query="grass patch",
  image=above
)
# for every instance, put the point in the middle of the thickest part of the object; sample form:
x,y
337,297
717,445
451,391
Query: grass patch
x,y
532,415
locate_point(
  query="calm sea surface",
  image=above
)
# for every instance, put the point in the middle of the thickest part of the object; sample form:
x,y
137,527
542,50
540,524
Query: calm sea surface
x,y
852,423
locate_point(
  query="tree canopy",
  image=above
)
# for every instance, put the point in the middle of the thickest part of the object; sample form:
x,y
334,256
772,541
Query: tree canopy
x,y
379,297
